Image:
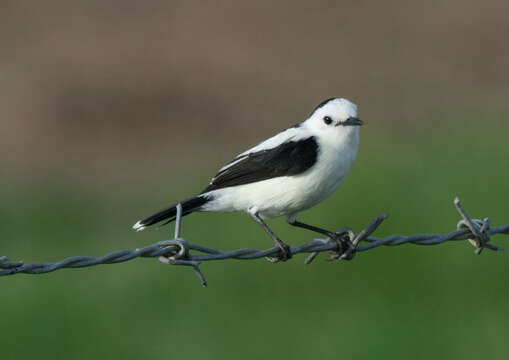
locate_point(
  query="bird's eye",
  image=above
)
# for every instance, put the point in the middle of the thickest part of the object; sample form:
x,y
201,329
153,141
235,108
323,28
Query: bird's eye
x,y
327,120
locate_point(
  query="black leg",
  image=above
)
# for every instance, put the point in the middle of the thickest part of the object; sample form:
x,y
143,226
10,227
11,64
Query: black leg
x,y
344,243
312,228
285,249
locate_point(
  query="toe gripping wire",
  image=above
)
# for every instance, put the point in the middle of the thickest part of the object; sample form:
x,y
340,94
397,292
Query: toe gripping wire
x,y
346,241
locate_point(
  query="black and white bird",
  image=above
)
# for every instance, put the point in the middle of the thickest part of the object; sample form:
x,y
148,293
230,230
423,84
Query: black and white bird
x,y
283,175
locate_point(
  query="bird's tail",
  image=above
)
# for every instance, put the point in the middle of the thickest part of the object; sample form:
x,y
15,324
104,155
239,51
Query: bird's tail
x,y
169,214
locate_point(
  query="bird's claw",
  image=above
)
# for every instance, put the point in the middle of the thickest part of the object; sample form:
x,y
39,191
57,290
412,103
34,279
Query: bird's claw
x,y
285,254
346,249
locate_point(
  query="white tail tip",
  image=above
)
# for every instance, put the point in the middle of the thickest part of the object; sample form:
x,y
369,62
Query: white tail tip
x,y
138,226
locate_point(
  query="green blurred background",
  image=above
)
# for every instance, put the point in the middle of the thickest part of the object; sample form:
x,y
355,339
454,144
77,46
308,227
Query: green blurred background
x,y
110,110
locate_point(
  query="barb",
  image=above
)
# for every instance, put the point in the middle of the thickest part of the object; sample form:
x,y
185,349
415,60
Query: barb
x,y
343,246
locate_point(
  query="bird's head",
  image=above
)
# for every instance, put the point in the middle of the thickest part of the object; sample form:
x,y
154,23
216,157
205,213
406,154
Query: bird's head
x,y
334,119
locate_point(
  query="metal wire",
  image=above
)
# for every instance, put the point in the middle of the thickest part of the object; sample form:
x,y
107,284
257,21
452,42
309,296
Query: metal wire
x,y
344,246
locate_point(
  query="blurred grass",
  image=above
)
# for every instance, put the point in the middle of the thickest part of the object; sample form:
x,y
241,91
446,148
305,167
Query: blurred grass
x,y
397,303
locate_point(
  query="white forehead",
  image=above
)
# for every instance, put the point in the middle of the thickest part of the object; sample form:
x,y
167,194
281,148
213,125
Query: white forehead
x,y
338,107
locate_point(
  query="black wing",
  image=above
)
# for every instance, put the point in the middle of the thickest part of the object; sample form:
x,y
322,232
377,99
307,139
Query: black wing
x,y
289,158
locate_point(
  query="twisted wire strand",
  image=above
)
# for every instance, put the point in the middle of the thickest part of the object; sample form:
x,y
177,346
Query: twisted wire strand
x,y
177,250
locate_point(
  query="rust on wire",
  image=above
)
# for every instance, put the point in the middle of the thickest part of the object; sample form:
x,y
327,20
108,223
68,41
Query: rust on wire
x,y
343,246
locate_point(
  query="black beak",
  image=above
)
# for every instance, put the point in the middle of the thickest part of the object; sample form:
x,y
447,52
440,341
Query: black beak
x,y
351,121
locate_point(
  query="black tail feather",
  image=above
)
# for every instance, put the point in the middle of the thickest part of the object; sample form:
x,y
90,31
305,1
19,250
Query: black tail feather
x,y
169,214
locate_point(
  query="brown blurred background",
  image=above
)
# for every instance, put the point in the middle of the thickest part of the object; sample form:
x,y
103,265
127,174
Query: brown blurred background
x,y
87,84
111,110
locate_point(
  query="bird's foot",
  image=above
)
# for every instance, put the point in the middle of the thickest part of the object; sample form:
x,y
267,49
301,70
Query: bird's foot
x,y
285,254
346,249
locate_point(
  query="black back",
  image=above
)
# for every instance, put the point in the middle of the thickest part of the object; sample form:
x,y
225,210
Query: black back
x,y
289,158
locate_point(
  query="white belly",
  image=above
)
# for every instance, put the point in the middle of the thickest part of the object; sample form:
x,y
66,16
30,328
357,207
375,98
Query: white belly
x,y
276,197
287,195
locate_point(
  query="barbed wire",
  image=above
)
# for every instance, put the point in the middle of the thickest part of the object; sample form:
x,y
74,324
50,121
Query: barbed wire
x,y
343,246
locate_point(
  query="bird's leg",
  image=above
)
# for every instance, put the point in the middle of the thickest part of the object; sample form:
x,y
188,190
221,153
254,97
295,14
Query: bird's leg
x,y
285,249
292,220
312,228
343,241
